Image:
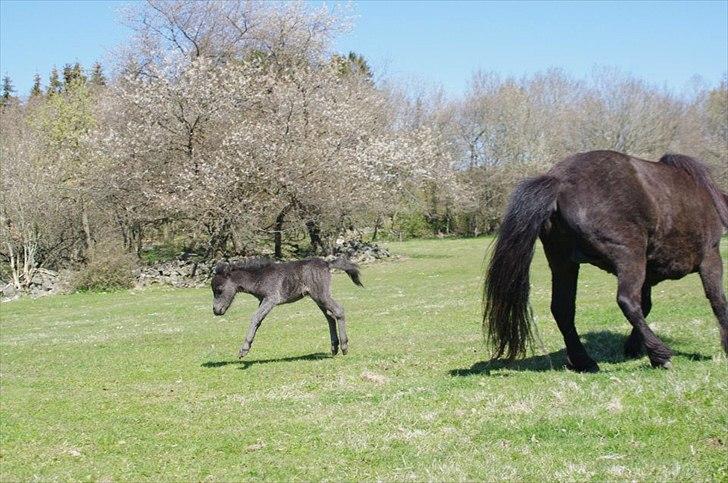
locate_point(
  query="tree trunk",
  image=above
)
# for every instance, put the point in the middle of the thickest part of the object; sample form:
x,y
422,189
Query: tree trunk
x,y
139,240
314,234
376,228
278,233
86,228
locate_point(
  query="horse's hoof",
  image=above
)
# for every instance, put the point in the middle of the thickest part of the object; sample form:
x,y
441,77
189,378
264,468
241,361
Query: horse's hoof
x,y
334,350
667,365
344,350
243,353
590,367
633,351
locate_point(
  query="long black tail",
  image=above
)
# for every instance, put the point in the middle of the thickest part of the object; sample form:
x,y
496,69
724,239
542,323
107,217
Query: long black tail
x,y
506,316
351,269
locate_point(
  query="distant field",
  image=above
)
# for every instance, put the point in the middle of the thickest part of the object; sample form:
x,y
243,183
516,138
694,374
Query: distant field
x,y
146,385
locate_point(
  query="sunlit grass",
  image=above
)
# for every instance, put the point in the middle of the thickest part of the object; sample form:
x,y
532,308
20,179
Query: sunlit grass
x,y
146,385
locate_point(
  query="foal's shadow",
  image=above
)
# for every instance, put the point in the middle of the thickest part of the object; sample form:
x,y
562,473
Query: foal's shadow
x,y
602,346
244,364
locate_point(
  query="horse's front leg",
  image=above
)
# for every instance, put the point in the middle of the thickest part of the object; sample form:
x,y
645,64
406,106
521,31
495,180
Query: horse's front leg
x,y
264,308
711,273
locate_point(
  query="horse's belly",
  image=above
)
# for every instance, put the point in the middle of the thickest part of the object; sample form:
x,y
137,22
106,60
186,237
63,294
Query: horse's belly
x,y
674,257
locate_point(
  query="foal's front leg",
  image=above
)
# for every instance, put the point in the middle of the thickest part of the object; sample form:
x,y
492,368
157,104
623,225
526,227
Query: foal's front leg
x,y
265,307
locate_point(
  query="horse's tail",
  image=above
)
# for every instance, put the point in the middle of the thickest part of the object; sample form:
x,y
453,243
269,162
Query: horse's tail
x,y
351,269
506,316
701,174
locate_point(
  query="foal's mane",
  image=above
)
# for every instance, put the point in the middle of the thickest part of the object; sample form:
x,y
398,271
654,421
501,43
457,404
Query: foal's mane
x,y
250,265
701,174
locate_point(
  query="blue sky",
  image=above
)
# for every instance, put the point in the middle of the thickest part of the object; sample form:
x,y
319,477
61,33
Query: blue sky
x,y
435,43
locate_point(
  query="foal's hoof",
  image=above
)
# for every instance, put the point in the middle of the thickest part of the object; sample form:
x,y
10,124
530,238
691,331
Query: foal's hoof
x,y
243,353
334,350
344,349
667,365
589,366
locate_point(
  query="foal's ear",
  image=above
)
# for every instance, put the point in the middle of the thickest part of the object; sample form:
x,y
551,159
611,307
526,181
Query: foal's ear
x,y
222,268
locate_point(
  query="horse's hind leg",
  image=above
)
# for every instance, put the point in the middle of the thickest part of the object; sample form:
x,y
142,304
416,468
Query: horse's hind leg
x,y
633,345
564,275
631,278
332,329
711,273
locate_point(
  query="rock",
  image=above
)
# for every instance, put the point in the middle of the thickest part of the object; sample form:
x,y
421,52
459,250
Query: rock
x,y
9,291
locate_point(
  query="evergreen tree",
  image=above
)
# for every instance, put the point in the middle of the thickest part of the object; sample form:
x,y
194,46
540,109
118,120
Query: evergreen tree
x,y
8,90
97,75
36,90
78,74
353,64
54,82
72,74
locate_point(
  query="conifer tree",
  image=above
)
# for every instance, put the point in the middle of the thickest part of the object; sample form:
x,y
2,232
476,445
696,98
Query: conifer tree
x,y
54,82
36,90
8,90
97,75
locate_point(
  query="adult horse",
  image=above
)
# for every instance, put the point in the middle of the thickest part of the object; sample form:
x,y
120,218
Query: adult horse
x,y
642,221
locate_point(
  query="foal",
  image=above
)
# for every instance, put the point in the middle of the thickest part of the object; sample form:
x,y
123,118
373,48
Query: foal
x,y
282,283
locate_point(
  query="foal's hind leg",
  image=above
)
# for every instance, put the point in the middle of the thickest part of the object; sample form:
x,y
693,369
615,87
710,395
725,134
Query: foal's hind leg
x,y
337,312
711,273
633,345
631,277
332,329
563,307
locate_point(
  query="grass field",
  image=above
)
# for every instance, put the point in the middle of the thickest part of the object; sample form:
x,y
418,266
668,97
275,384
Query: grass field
x,y
146,385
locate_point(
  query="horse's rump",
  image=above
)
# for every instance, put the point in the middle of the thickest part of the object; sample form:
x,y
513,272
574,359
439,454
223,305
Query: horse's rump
x,y
701,175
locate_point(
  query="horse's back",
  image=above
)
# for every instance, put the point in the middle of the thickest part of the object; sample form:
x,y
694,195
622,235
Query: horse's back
x,y
601,191
616,203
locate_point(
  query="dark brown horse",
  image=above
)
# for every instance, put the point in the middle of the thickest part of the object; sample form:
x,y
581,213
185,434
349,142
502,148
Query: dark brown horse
x,y
642,221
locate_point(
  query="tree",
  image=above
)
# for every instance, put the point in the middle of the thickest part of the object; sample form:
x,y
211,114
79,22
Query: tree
x,y
54,83
97,75
353,64
257,132
8,90
72,75
36,90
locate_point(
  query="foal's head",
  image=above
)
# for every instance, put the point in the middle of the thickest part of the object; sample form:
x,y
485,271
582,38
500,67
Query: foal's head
x,y
223,288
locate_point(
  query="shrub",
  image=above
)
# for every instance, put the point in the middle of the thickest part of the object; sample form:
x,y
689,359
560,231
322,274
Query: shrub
x,y
109,267
411,225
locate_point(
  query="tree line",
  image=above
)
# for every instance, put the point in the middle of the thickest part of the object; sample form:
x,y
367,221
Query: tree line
x,y
230,128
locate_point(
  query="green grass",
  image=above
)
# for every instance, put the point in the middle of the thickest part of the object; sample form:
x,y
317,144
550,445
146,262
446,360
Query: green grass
x,y
145,385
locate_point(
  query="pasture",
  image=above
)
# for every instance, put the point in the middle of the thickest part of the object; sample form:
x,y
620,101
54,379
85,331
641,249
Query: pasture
x,y
146,385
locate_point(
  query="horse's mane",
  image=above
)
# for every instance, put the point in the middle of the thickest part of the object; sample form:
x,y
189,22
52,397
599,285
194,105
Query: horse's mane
x,y
701,174
251,265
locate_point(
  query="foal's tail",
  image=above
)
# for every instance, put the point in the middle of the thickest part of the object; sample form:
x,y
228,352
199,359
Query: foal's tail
x,y
351,269
506,316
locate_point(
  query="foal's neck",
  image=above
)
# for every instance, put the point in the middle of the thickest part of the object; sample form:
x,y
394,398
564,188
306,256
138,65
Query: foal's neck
x,y
244,280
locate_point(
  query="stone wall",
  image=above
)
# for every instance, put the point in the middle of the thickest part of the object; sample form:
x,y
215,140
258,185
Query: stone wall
x,y
181,273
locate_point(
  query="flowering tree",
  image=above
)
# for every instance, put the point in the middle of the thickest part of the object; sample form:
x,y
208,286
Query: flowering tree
x,y
246,135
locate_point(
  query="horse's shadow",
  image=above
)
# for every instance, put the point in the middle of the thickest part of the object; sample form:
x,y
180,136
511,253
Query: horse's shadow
x,y
244,364
602,346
